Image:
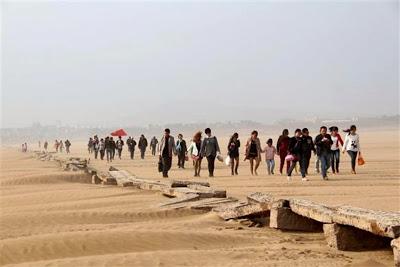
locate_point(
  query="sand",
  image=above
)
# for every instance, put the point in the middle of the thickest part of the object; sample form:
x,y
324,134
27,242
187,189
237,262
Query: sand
x,y
53,218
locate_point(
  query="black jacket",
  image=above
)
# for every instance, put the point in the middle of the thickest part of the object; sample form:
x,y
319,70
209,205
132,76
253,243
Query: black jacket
x,y
323,146
295,145
307,145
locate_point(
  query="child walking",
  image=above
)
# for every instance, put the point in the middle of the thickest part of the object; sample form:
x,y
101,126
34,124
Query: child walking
x,y
270,152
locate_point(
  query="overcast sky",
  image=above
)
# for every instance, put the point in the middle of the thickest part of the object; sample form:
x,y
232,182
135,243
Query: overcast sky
x,y
132,63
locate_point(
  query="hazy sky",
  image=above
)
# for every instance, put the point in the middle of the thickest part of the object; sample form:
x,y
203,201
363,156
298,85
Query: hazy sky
x,y
133,63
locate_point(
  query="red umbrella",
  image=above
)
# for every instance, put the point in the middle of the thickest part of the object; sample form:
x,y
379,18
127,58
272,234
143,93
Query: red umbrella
x,y
119,132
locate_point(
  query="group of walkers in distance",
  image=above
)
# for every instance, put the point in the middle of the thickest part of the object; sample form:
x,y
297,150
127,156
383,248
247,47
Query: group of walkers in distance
x,y
58,146
295,151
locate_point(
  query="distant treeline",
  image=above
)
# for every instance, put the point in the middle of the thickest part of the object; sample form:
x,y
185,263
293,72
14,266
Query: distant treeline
x,y
38,132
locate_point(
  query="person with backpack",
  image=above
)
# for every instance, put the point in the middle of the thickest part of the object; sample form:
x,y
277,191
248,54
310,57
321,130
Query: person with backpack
x,y
335,149
119,145
153,145
142,146
209,149
131,146
352,146
282,149
181,150
113,147
67,146
323,142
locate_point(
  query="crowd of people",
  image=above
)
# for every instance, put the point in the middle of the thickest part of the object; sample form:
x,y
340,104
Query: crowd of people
x,y
293,151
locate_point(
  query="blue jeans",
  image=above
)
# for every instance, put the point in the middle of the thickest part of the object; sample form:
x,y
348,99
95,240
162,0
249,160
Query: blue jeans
x,y
324,158
270,165
335,159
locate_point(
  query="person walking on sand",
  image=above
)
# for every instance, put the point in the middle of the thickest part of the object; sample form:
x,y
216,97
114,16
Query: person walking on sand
x,y
307,147
233,153
96,146
282,149
335,149
61,146
131,146
90,145
153,145
181,149
113,147
210,149
67,146
45,145
142,146
119,145
56,145
294,153
352,146
253,152
102,148
194,151
270,152
40,145
165,150
323,141
108,146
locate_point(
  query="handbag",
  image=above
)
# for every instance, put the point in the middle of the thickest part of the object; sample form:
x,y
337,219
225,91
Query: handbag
x,y
360,160
160,165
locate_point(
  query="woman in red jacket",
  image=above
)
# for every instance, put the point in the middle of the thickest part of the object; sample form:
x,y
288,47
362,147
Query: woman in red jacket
x,y
282,149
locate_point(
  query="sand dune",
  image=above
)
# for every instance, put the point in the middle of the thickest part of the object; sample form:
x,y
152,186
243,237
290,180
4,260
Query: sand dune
x,y
55,218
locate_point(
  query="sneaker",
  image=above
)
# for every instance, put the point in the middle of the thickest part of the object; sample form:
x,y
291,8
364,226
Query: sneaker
x,y
304,179
289,178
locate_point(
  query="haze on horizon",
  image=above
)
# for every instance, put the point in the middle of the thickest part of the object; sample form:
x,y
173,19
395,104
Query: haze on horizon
x,y
137,63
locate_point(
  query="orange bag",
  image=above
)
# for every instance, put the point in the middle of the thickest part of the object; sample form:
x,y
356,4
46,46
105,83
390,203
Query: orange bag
x,y
361,160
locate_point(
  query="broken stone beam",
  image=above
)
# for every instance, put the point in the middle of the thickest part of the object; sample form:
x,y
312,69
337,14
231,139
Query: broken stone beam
x,y
207,192
178,191
263,199
348,238
282,217
175,203
239,210
208,204
377,222
396,251
179,183
112,169
95,179
312,210
122,178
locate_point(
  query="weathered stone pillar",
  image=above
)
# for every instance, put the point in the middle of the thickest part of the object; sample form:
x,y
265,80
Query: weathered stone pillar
x,y
396,251
343,237
282,217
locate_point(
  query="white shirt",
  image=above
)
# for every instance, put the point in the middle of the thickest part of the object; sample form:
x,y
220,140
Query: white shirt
x,y
352,143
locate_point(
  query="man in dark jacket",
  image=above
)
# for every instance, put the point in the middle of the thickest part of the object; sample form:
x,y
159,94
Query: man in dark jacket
x,y
119,144
181,150
108,146
131,146
209,149
166,150
307,146
113,147
142,145
153,145
294,149
323,142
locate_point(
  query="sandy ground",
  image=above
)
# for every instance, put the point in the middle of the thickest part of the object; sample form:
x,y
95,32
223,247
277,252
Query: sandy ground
x,y
53,218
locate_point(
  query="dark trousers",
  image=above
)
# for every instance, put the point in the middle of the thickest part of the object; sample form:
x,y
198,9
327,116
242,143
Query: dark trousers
x,y
102,152
325,159
109,154
153,150
335,160
304,162
142,152
282,155
96,152
119,153
113,153
353,156
181,160
166,162
132,153
211,165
